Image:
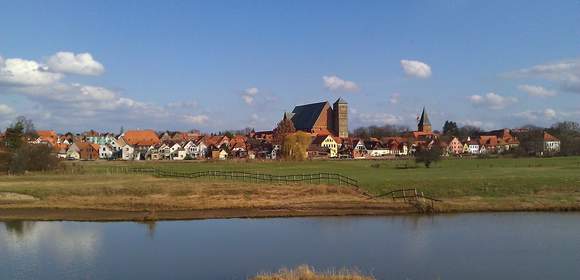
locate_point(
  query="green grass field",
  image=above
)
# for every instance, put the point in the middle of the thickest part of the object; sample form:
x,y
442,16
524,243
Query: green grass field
x,y
448,178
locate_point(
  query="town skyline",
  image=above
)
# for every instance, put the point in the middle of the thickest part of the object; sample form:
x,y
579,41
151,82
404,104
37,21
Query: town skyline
x,y
206,66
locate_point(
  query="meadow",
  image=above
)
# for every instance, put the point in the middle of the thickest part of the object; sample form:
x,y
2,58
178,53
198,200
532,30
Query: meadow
x,y
447,178
463,185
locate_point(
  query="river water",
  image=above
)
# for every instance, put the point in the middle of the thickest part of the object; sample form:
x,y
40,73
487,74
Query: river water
x,y
466,246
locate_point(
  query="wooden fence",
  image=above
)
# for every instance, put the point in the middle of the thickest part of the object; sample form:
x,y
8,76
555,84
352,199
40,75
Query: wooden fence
x,y
312,178
410,196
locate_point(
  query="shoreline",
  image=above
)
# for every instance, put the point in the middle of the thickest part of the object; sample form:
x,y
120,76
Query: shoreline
x,y
111,215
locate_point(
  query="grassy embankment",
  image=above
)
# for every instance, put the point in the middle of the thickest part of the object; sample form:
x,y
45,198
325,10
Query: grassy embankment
x,y
464,185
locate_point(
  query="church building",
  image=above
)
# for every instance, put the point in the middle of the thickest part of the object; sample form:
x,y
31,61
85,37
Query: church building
x,y
321,118
424,128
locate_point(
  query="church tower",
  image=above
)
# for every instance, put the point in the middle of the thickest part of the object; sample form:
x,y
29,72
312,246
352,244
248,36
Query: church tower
x,y
340,112
424,123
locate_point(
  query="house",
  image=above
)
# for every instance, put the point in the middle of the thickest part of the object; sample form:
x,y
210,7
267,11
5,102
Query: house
x,y
106,151
219,153
326,141
101,139
83,151
195,149
128,152
473,146
73,152
359,150
201,150
397,145
551,144
238,146
179,154
455,146
61,150
316,151
88,151
46,137
153,152
136,143
488,144
267,135
506,141
216,140
376,148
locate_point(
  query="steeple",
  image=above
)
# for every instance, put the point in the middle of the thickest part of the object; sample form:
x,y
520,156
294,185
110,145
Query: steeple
x,y
424,124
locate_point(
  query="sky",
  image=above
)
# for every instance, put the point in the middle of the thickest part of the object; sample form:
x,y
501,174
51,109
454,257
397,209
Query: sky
x,y
217,65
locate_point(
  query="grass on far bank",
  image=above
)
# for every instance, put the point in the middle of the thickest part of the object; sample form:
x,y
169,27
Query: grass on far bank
x,y
140,192
445,179
305,272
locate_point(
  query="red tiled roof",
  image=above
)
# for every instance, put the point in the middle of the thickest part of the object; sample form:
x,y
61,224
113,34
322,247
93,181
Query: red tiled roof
x,y
550,137
488,140
47,136
141,137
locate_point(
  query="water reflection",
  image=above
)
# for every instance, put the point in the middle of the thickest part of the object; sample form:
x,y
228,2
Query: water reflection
x,y
478,246
68,242
18,228
150,226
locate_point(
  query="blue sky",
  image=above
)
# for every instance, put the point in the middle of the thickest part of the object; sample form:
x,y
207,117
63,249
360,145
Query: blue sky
x,y
215,65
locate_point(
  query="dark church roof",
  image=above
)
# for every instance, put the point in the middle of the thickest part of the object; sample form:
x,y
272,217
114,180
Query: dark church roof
x,y
424,119
340,101
305,116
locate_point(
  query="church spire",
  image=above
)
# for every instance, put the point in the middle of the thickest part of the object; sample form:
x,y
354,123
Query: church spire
x,y
424,124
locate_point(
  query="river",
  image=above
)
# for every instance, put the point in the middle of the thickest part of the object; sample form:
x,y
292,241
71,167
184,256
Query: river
x,y
464,246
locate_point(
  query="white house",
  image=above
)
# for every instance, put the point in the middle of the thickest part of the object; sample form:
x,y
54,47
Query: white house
x,y
379,152
473,146
551,143
179,154
128,152
105,151
359,150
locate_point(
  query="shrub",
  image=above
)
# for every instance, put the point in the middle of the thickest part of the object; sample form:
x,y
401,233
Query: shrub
x,y
428,155
305,272
32,158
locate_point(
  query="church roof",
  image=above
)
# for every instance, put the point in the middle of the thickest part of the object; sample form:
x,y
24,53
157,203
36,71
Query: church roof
x,y
305,116
340,101
424,119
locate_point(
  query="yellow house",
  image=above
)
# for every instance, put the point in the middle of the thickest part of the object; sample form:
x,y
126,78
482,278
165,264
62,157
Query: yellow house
x,y
327,141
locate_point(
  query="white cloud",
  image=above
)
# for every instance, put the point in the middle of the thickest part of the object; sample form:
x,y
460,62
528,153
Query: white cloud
x,y
378,118
394,99
67,106
249,95
492,101
550,113
536,90
565,73
334,83
532,116
477,123
81,64
182,105
196,119
5,110
21,72
416,68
